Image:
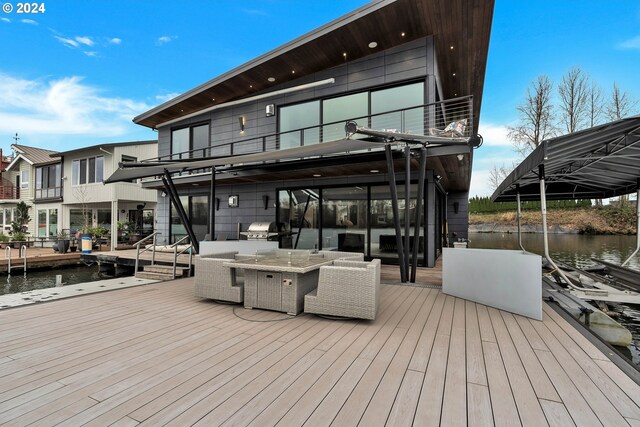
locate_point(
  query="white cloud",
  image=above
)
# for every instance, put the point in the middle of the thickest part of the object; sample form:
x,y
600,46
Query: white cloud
x,y
91,53
5,20
256,12
166,97
633,43
165,39
65,106
29,21
84,40
115,40
67,42
480,183
494,135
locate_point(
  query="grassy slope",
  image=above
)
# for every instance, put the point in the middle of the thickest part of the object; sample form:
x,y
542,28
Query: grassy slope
x,y
600,220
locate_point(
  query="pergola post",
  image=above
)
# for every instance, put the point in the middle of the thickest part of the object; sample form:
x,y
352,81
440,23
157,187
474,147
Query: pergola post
x,y
637,224
212,204
419,198
175,198
396,213
518,216
407,203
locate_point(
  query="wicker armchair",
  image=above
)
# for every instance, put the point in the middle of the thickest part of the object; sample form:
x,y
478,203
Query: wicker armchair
x,y
215,281
346,289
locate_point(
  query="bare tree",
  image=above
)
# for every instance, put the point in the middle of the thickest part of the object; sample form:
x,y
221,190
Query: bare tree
x,y
595,104
574,97
497,174
536,117
620,104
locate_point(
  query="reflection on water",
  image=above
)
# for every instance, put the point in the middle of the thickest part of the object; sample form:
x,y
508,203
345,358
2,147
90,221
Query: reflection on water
x,y
42,279
577,250
572,249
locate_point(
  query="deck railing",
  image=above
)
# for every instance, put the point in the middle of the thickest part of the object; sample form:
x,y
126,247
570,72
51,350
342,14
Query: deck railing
x,y
419,120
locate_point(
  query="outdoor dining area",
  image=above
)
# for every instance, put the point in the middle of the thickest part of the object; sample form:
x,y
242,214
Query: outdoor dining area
x,y
327,283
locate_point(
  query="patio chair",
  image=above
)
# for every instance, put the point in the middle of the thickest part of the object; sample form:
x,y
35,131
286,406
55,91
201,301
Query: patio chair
x,y
352,256
215,281
346,289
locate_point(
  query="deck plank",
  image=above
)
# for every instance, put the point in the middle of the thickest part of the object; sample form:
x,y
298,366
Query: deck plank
x,y
156,354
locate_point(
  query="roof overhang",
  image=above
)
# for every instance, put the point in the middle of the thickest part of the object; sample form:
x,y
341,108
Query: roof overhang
x,y
15,161
595,163
460,28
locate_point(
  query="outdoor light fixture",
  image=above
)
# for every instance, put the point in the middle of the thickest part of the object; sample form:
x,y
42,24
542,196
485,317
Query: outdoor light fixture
x,y
265,201
271,79
460,157
217,203
373,45
270,110
374,171
456,207
402,34
163,194
317,175
241,120
233,201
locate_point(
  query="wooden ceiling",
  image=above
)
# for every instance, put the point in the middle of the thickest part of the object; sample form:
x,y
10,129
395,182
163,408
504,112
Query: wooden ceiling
x,y
462,24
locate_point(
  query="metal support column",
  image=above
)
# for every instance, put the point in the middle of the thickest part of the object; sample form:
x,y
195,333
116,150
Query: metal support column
x,y
396,213
637,224
175,198
518,216
545,235
407,203
416,231
212,204
301,222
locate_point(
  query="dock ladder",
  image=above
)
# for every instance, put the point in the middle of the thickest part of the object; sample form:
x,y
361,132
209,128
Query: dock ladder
x,y
23,255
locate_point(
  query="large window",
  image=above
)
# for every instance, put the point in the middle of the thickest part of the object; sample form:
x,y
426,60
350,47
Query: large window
x,y
293,119
77,221
47,222
299,218
190,142
48,182
89,170
299,116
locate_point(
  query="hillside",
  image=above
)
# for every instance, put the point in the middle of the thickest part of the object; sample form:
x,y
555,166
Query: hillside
x,y
595,220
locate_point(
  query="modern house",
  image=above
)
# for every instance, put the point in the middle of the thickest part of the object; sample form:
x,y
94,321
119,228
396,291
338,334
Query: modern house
x,y
409,73
85,199
22,180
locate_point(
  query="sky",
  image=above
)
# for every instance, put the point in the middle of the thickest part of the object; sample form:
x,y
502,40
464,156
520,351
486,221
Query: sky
x,y
77,72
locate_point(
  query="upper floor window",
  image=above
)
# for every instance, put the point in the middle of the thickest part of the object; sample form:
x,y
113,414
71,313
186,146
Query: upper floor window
x,y
24,179
190,142
89,170
48,181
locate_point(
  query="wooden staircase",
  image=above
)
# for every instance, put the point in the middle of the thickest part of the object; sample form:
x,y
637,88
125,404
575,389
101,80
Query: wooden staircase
x,y
161,272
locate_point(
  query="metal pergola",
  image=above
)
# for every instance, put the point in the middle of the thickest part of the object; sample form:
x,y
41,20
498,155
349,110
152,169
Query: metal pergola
x,y
595,163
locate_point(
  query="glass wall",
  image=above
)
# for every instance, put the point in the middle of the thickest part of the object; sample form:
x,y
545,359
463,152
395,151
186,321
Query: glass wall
x,y
299,116
53,222
396,98
298,218
179,143
104,218
76,220
199,140
350,107
197,209
344,219
42,222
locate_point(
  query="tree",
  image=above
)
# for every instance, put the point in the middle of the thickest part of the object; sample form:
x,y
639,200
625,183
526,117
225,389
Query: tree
x,y
620,104
536,117
497,174
574,99
595,104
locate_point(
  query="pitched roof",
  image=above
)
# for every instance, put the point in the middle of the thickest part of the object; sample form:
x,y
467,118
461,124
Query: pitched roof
x,y
103,146
32,155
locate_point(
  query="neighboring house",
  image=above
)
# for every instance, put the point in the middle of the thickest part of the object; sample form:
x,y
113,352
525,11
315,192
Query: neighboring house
x,y
23,181
393,66
86,200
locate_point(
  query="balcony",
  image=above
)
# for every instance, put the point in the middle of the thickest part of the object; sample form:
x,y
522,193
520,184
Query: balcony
x,y
8,191
53,193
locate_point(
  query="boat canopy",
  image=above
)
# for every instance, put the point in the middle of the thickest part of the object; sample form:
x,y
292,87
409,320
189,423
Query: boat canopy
x,y
595,163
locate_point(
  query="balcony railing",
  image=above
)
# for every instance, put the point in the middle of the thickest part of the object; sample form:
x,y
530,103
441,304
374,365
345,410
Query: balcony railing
x,y
8,192
423,119
49,193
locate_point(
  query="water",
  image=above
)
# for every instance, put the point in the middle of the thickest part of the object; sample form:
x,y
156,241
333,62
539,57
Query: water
x,y
46,278
577,250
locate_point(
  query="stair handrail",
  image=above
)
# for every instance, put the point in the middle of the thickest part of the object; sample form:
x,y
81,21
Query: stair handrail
x,y
189,248
153,249
8,249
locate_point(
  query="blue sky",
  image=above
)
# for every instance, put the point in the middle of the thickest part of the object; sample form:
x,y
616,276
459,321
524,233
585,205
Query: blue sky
x,y
78,73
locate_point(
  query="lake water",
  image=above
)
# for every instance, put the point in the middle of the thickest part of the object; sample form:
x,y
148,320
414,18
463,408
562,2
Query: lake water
x,y
577,250
46,278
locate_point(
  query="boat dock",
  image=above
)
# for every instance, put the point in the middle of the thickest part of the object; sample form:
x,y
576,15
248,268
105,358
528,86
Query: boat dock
x,y
38,258
155,354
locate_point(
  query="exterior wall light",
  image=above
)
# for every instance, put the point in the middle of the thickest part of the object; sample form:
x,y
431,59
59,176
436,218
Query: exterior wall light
x,y
241,120
270,110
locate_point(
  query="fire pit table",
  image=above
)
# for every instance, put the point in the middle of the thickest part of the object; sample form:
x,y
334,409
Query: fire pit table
x,y
279,283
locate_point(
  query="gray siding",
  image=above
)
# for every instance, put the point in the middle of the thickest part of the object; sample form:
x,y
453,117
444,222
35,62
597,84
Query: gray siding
x,y
458,222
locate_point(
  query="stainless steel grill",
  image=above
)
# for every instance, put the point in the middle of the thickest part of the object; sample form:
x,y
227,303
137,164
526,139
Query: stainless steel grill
x,y
261,231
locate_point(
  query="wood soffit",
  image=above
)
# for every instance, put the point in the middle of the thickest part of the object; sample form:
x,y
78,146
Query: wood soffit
x,y
463,24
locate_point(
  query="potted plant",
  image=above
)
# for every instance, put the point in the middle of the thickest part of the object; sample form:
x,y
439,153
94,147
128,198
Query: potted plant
x,y
63,242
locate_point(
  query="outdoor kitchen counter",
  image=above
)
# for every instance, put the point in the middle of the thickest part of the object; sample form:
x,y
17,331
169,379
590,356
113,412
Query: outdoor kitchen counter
x,y
276,284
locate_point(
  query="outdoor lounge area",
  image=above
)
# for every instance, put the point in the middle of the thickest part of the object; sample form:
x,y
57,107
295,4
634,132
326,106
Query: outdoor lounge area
x,y
156,354
328,283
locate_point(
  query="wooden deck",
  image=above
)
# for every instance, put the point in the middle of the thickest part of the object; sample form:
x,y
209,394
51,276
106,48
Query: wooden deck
x,y
156,355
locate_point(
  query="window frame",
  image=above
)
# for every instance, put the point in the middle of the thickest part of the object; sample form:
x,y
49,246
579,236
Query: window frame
x,y
190,142
81,170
